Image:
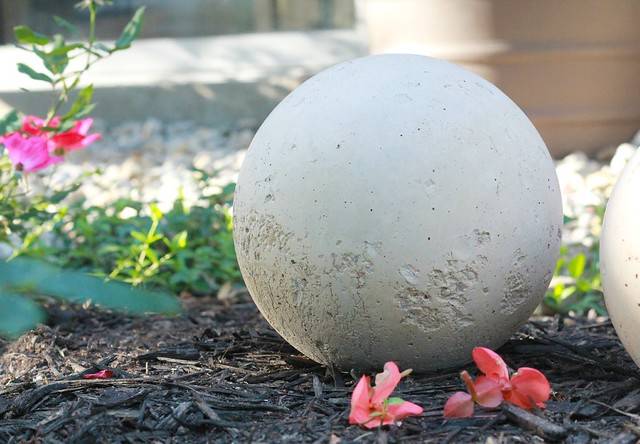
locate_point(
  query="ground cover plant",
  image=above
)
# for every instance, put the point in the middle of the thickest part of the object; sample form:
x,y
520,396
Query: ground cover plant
x,y
576,286
32,144
188,248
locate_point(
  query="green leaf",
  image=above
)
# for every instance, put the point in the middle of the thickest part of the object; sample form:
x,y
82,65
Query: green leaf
x,y
26,35
156,212
130,31
82,105
69,27
27,275
137,235
10,122
64,49
583,285
33,74
394,401
18,314
179,241
567,292
59,196
557,291
575,267
152,255
57,59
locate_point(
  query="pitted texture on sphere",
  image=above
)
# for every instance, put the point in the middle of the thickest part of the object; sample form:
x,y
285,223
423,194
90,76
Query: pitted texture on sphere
x,y
396,208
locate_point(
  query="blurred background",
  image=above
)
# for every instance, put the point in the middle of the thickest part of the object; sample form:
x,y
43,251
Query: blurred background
x,y
572,65
190,18
205,73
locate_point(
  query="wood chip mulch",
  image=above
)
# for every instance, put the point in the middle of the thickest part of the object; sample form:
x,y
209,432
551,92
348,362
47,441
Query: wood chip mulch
x,y
219,373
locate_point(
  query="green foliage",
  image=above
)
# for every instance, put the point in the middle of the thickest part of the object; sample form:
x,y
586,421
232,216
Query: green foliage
x,y
18,314
30,276
55,53
33,74
185,249
20,278
578,288
131,31
9,122
27,36
24,218
81,106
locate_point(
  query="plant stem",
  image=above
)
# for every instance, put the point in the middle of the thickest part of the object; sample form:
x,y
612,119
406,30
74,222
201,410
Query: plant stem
x,y
64,95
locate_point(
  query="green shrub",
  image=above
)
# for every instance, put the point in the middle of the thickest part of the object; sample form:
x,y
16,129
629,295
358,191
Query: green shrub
x,y
188,248
577,286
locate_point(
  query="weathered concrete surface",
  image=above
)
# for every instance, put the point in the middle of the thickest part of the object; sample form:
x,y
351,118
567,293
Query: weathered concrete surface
x,y
397,208
620,257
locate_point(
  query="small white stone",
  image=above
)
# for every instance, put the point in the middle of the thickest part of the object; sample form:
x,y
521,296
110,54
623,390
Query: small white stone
x,y
623,154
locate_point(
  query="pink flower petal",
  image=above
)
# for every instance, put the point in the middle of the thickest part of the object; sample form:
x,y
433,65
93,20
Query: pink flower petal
x,y
491,364
33,125
459,405
12,141
102,374
29,154
83,126
76,137
90,139
386,383
530,388
360,407
400,411
488,392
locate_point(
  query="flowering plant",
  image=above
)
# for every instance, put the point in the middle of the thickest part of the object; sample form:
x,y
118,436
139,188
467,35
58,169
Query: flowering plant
x,y
372,407
34,143
29,144
31,148
527,388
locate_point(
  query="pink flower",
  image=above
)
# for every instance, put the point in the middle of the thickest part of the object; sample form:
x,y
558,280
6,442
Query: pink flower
x,y
102,374
35,147
527,387
29,154
75,138
33,125
372,407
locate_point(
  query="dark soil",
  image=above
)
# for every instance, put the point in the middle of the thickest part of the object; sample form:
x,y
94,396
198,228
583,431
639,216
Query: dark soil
x,y
219,373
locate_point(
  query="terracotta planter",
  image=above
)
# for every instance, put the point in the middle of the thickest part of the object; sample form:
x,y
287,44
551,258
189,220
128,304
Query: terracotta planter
x,y
572,65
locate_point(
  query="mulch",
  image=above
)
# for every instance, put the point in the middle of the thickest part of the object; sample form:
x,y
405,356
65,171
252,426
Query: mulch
x,y
219,373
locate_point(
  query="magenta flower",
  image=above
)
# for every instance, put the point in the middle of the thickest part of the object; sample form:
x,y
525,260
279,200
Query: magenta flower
x,y
77,137
33,125
35,147
29,153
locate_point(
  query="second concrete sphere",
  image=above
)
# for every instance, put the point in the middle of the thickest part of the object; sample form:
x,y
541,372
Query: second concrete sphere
x,y
399,208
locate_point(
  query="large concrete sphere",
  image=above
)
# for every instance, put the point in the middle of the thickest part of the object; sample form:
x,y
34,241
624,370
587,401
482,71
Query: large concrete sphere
x,y
620,257
397,207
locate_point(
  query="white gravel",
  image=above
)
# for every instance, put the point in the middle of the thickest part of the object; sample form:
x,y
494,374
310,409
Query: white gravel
x,y
585,185
150,161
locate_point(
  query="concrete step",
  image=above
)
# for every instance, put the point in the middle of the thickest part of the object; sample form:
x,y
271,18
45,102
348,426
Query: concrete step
x,y
216,81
